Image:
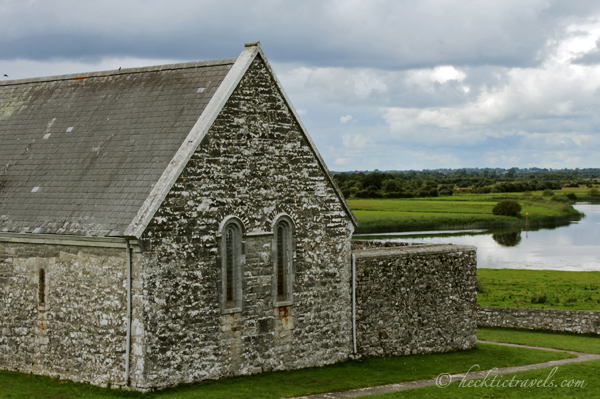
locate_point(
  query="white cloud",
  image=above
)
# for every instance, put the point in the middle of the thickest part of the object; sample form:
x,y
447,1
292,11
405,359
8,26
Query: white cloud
x,y
439,74
342,161
301,111
530,97
346,119
355,141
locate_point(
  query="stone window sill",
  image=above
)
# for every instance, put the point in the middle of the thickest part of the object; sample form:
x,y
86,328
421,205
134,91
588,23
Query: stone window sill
x,y
231,310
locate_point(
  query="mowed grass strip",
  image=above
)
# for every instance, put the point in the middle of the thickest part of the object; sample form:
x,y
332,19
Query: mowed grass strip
x,y
580,380
339,377
588,343
548,289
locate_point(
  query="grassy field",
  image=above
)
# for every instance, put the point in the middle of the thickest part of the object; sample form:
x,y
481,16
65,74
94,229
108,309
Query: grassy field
x,y
457,211
587,373
546,289
338,377
582,193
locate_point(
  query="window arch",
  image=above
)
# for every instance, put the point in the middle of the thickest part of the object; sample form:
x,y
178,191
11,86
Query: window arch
x,y
283,260
232,260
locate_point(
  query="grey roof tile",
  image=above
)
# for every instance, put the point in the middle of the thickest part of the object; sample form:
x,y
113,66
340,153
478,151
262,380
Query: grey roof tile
x,y
126,127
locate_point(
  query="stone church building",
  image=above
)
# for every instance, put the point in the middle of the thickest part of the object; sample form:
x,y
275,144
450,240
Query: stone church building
x,y
176,223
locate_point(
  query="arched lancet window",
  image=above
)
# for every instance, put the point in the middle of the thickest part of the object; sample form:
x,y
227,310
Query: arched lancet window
x,y
232,260
283,261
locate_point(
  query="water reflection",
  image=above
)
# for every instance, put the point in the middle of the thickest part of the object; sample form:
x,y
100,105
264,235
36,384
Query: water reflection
x,y
508,239
571,247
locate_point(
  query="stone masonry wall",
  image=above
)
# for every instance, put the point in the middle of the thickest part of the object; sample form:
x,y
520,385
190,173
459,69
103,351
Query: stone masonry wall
x,y
80,332
578,321
254,164
415,299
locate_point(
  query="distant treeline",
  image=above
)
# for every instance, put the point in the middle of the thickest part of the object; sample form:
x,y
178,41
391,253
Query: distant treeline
x,y
431,183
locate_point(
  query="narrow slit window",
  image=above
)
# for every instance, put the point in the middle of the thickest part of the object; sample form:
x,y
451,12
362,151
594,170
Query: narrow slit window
x,y
42,288
283,261
232,260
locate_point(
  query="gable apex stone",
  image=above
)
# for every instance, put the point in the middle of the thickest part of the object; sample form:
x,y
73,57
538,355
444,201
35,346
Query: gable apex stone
x,y
200,130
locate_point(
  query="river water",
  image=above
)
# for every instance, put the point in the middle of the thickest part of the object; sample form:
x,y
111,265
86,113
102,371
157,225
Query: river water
x,y
575,246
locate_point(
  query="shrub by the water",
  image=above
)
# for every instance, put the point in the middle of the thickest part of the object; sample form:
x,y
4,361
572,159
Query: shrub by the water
x,y
572,196
507,208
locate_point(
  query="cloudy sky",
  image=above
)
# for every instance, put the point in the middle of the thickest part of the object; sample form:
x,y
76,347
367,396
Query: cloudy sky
x,y
379,84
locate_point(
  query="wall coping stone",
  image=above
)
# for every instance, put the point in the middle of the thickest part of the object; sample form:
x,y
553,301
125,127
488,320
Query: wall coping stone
x,y
578,321
412,250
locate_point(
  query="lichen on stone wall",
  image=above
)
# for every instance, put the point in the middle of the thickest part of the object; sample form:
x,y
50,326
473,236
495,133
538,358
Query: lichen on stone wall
x,y
79,332
415,299
254,164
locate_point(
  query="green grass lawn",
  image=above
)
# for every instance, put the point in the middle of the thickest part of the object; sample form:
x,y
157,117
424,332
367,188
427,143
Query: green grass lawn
x,y
338,377
457,211
587,373
547,289
589,343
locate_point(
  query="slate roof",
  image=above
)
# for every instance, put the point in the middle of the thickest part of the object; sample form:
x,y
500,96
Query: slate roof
x,y
80,154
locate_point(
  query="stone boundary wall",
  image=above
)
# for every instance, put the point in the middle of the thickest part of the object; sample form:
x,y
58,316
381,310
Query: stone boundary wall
x,y
577,321
414,299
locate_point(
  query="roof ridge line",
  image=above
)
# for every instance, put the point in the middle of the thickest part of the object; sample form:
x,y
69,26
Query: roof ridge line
x,y
116,72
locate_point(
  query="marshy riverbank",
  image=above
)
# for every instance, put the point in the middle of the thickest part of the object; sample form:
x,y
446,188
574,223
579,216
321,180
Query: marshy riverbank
x,y
469,211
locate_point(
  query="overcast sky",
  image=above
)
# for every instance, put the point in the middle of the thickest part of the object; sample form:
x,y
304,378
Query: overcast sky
x,y
378,84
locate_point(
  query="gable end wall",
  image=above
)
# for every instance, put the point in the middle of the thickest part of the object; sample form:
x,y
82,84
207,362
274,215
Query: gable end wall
x,y
254,163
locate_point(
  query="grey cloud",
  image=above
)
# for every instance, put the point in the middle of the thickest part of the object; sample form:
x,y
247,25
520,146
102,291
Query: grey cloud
x,y
384,34
500,47
592,58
